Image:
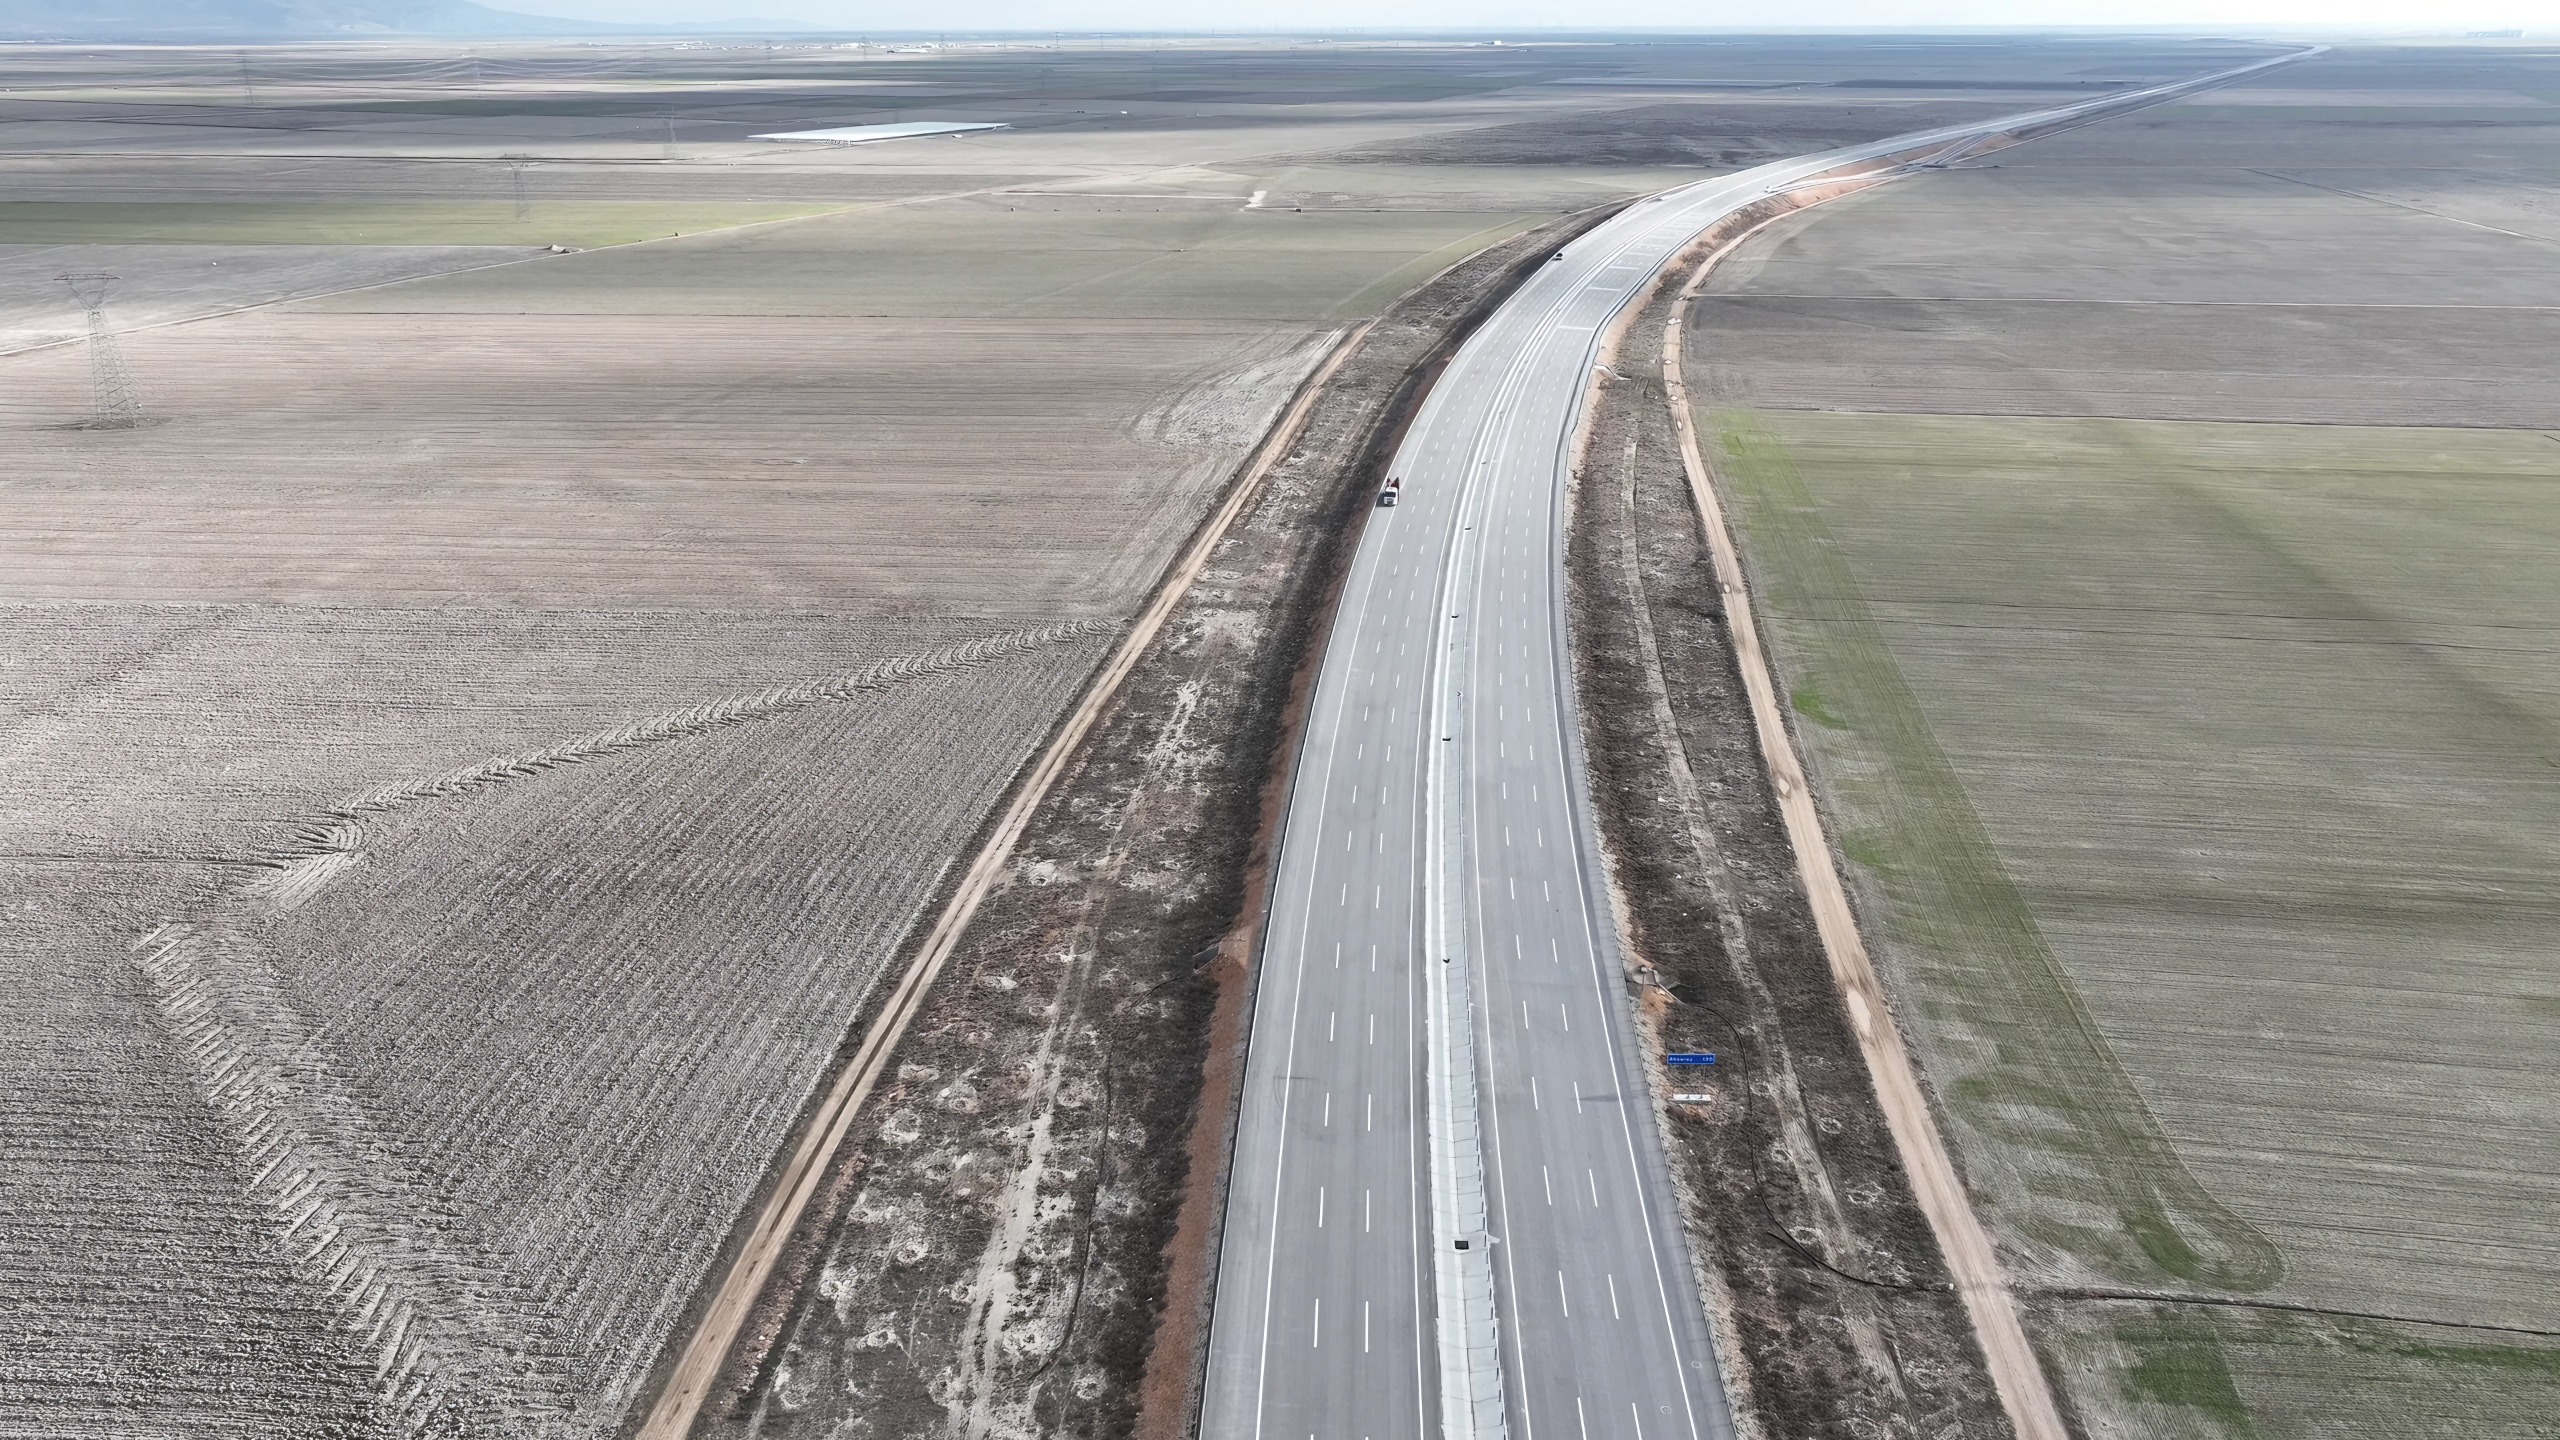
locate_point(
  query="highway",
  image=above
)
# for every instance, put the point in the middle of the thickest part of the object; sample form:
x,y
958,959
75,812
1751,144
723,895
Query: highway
x,y
1441,1049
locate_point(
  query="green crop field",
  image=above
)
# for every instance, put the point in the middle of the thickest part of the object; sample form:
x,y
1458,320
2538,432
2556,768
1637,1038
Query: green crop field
x,y
2203,783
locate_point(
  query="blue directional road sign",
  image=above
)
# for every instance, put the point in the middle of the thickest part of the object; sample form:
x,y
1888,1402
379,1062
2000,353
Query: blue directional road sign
x,y
1705,1059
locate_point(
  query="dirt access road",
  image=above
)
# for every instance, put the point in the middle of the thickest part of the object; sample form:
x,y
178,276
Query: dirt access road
x,y
1965,1245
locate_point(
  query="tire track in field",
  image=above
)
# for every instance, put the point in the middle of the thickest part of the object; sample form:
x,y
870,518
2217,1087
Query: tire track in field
x,y
458,1347
325,845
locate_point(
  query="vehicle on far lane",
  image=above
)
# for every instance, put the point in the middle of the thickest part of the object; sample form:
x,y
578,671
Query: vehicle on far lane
x,y
1387,492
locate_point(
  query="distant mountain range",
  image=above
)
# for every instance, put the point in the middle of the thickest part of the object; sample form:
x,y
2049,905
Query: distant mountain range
x,y
289,20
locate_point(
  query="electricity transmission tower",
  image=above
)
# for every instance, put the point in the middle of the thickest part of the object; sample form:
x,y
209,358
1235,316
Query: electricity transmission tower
x,y
119,403
516,166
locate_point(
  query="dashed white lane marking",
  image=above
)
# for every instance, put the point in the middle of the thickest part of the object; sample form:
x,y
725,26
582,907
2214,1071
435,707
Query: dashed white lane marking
x,y
1613,1299
1315,1332
1549,1181
1328,1109
1369,1112
1562,1298
1319,1207
1533,1094
1595,1188
1566,1016
1332,1016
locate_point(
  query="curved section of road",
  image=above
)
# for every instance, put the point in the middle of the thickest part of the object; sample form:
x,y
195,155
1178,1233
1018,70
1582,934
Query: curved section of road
x,y
1440,870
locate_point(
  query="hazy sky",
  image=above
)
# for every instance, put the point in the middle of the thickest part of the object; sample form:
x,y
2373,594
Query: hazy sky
x,y
2455,16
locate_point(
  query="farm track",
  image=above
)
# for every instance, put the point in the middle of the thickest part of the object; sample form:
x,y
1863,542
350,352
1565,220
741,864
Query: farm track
x,y
1964,1245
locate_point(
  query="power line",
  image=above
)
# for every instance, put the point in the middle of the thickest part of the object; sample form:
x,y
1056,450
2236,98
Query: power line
x,y
516,166
119,402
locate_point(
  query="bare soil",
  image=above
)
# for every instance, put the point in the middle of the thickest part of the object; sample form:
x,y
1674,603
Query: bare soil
x,y
341,1030
1837,1312
1020,1238
1034,468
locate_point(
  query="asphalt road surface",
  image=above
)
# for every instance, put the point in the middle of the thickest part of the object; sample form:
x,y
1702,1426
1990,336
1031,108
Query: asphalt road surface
x,y
1444,709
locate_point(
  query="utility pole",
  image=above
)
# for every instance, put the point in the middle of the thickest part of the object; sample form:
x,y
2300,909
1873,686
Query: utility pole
x,y
516,166
119,403
248,92
671,136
